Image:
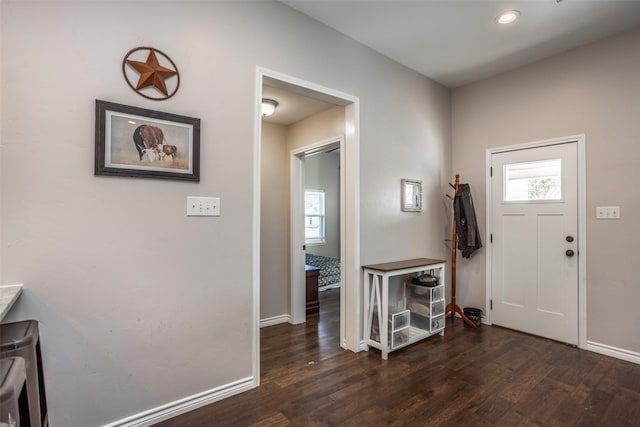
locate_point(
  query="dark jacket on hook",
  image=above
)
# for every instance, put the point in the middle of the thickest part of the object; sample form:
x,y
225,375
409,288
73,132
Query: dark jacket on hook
x,y
466,225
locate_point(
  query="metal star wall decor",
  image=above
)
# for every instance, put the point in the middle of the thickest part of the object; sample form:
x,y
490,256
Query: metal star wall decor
x,y
153,75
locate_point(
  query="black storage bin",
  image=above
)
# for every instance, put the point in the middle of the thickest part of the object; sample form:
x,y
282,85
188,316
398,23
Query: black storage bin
x,y
473,314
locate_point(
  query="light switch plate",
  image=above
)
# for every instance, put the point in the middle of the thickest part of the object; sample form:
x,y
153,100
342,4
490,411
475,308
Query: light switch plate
x,y
608,212
203,206
614,212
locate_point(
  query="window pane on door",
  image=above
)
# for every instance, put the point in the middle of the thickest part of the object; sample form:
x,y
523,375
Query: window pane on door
x,y
533,181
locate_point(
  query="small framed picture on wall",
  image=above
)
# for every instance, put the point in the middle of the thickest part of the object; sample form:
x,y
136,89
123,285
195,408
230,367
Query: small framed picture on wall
x,y
411,195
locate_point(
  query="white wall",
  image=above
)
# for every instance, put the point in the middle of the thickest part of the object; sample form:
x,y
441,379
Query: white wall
x,y
410,119
139,305
592,90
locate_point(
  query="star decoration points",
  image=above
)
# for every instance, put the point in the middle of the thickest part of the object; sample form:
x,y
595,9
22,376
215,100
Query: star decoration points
x,y
152,73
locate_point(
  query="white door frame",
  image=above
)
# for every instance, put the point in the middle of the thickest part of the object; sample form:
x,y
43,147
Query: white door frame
x,y
351,295
582,225
298,277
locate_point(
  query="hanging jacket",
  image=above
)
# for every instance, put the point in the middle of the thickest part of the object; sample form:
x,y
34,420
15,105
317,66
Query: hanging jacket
x,y
466,225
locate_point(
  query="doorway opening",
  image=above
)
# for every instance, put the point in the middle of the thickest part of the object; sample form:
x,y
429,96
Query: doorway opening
x,y
316,199
317,187
279,231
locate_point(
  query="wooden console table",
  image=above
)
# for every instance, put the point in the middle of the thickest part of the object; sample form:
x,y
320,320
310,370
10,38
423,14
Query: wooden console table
x,y
398,312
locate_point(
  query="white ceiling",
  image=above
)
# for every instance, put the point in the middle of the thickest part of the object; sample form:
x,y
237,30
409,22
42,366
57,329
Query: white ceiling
x,y
456,42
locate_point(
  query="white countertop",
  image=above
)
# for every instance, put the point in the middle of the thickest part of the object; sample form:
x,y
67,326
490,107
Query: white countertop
x,y
8,296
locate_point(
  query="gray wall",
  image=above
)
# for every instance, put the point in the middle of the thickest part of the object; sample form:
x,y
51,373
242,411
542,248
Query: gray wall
x,y
322,172
274,222
141,306
592,90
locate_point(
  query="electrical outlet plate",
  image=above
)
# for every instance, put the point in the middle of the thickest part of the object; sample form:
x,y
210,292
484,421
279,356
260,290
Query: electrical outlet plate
x,y
203,206
608,212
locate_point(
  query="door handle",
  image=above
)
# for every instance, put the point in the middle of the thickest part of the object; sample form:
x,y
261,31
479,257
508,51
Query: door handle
x,y
569,253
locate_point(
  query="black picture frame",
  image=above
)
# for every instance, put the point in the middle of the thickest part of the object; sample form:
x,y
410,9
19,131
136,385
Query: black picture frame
x,y
136,142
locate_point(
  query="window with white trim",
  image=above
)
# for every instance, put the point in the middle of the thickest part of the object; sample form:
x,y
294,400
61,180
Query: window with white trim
x,y
533,181
314,216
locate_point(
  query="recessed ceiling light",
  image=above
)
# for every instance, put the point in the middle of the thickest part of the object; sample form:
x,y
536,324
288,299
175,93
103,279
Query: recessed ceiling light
x,y
507,17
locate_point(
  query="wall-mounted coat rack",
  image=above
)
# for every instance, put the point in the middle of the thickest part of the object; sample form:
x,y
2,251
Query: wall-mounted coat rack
x,y
453,307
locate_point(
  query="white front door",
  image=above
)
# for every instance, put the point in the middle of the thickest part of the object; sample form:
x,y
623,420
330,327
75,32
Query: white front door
x,y
534,232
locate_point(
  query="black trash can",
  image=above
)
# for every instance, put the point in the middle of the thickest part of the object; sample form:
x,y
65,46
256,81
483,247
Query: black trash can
x,y
473,314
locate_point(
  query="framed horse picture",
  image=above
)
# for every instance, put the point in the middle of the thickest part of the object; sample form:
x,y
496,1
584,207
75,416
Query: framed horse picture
x,y
136,142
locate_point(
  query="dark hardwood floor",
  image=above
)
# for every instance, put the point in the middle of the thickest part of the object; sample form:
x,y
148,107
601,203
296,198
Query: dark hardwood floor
x,y
486,377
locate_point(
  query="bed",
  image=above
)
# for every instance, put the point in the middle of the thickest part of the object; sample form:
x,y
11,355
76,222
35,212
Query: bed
x,y
329,276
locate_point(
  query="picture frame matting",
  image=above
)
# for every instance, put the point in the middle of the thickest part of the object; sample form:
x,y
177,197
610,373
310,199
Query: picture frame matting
x,y
137,142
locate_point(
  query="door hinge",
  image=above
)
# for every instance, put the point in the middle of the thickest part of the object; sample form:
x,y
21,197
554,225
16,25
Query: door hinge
x,y
490,304
304,247
491,171
491,238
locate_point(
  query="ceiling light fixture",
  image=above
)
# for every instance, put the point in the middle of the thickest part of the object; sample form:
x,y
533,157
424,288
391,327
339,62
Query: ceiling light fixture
x,y
268,106
507,17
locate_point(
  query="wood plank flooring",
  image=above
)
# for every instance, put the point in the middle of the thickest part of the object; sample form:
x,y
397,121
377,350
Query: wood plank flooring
x,y
486,377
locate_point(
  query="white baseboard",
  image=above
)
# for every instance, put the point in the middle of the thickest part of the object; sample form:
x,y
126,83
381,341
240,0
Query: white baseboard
x,y
618,353
170,410
607,350
275,320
